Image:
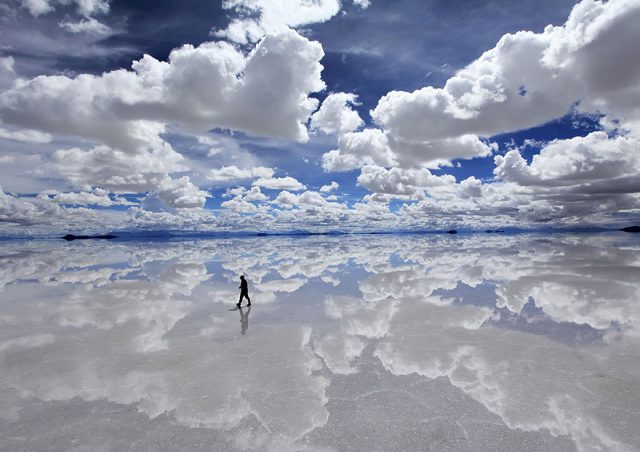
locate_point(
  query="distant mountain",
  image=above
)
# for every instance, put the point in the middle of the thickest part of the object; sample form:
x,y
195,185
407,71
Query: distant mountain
x,y
631,229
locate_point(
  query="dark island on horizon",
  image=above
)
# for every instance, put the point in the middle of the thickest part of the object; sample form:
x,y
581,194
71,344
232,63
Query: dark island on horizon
x,y
70,237
155,235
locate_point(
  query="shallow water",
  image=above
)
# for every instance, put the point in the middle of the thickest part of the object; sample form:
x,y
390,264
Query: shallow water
x,y
483,342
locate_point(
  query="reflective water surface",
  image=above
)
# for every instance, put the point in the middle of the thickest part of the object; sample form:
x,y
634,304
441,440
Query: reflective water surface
x,y
483,342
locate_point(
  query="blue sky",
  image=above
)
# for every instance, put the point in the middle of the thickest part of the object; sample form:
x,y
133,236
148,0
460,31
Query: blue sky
x,y
275,115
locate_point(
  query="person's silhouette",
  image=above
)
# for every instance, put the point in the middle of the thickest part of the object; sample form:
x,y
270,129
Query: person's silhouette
x,y
244,291
244,320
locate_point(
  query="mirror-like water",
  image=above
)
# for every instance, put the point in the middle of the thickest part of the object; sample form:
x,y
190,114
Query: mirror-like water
x,y
483,342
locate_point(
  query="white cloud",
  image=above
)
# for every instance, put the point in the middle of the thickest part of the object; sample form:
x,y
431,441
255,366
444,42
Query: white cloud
x,y
243,199
336,116
89,25
234,192
286,199
7,64
96,197
126,111
261,17
42,216
527,79
257,18
37,7
364,4
240,206
28,136
357,149
85,8
117,170
7,71
254,195
578,177
279,183
180,193
401,182
330,187
199,88
575,161
19,211
181,219
232,173
116,126
216,145
124,115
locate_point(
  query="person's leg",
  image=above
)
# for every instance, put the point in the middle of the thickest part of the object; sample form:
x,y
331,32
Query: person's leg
x,y
240,300
248,299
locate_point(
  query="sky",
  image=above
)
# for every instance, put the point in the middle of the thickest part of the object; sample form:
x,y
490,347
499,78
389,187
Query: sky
x,y
318,115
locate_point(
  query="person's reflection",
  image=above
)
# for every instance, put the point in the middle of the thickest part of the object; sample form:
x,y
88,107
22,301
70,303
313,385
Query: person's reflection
x,y
244,319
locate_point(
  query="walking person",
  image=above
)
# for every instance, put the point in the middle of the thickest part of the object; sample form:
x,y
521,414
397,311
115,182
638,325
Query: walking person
x,y
244,291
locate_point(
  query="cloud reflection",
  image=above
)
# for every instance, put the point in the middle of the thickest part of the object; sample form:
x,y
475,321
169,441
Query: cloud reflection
x,y
147,325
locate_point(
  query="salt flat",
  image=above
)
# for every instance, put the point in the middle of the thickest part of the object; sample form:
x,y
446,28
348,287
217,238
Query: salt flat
x,y
409,342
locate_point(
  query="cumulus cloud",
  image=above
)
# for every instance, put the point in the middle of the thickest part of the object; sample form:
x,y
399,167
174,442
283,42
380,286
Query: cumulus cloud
x,y
263,177
577,177
525,80
286,199
198,88
239,205
232,173
357,149
243,200
336,115
330,187
179,193
212,85
280,183
96,197
260,17
23,211
375,147
256,18
117,170
42,216
118,128
576,161
400,182
254,194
